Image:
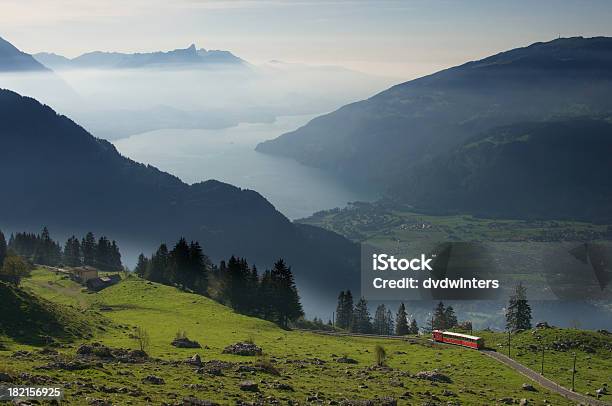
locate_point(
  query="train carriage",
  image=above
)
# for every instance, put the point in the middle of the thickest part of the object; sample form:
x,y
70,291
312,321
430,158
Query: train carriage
x,y
464,340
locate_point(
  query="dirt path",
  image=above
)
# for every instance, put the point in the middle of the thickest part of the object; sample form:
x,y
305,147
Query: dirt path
x,y
521,369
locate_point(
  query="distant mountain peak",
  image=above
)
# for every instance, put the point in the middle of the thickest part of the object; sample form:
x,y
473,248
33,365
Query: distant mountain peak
x,y
14,60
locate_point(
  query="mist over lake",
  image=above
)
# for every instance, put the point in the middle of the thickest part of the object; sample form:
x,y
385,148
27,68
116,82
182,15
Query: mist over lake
x,y
229,155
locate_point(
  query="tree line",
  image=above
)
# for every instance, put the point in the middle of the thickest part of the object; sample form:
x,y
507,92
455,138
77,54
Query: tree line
x,y
356,318
272,296
102,253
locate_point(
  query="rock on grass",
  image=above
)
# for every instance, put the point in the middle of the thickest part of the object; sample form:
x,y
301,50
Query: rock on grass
x,y
245,349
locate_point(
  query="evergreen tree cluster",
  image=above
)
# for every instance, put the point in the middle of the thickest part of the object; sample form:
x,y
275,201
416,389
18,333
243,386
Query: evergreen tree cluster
x,y
185,266
356,318
102,254
444,317
37,248
271,296
518,313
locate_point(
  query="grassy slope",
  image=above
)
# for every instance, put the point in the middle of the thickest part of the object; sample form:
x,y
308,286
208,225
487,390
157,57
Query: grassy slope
x,y
593,355
163,311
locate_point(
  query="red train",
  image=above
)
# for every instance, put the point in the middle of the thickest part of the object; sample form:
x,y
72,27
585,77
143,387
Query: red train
x,y
457,339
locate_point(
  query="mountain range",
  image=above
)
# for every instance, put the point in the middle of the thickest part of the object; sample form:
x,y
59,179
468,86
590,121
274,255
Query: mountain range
x,y
56,174
384,139
186,57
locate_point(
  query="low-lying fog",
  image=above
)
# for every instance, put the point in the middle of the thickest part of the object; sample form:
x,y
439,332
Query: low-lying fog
x,y
116,103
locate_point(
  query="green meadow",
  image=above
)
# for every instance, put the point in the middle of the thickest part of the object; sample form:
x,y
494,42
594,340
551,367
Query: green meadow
x,y
299,367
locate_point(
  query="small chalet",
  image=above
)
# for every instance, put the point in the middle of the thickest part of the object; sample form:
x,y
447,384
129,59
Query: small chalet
x,y
103,282
83,273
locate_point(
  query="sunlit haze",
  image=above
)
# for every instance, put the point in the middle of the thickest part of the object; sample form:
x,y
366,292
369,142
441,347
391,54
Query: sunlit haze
x,y
402,39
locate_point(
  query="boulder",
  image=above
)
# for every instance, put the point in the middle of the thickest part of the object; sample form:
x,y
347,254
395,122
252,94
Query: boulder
x,y
195,360
4,377
346,360
528,387
433,376
242,348
153,380
249,386
184,342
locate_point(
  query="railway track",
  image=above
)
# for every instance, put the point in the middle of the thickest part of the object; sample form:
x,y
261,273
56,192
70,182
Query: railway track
x,y
501,358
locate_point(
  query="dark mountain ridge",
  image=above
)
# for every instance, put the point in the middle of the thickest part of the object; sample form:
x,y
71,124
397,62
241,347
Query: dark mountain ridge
x,y
382,138
56,174
555,169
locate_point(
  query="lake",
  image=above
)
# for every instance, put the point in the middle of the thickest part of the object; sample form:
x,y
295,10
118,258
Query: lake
x,y
229,155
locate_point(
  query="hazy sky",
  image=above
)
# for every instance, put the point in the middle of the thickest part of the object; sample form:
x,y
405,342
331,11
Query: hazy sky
x,y
396,38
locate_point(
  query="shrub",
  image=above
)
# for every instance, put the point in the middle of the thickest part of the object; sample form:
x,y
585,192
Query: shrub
x,y
142,339
380,355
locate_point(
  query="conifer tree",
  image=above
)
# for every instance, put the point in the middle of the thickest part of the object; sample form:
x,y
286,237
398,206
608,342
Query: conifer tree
x,y
401,321
199,266
414,328
342,317
115,257
88,249
380,320
390,324
362,321
157,269
450,318
518,314
141,266
439,317
286,295
3,248
72,252
266,292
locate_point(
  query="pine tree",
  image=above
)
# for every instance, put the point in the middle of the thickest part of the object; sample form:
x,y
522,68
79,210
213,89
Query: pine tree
x,y
380,320
450,318
342,318
265,293
362,321
286,298
115,257
72,252
3,248
349,309
439,317
199,266
414,328
178,271
157,269
88,249
389,323
518,314
401,321
235,284
141,266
